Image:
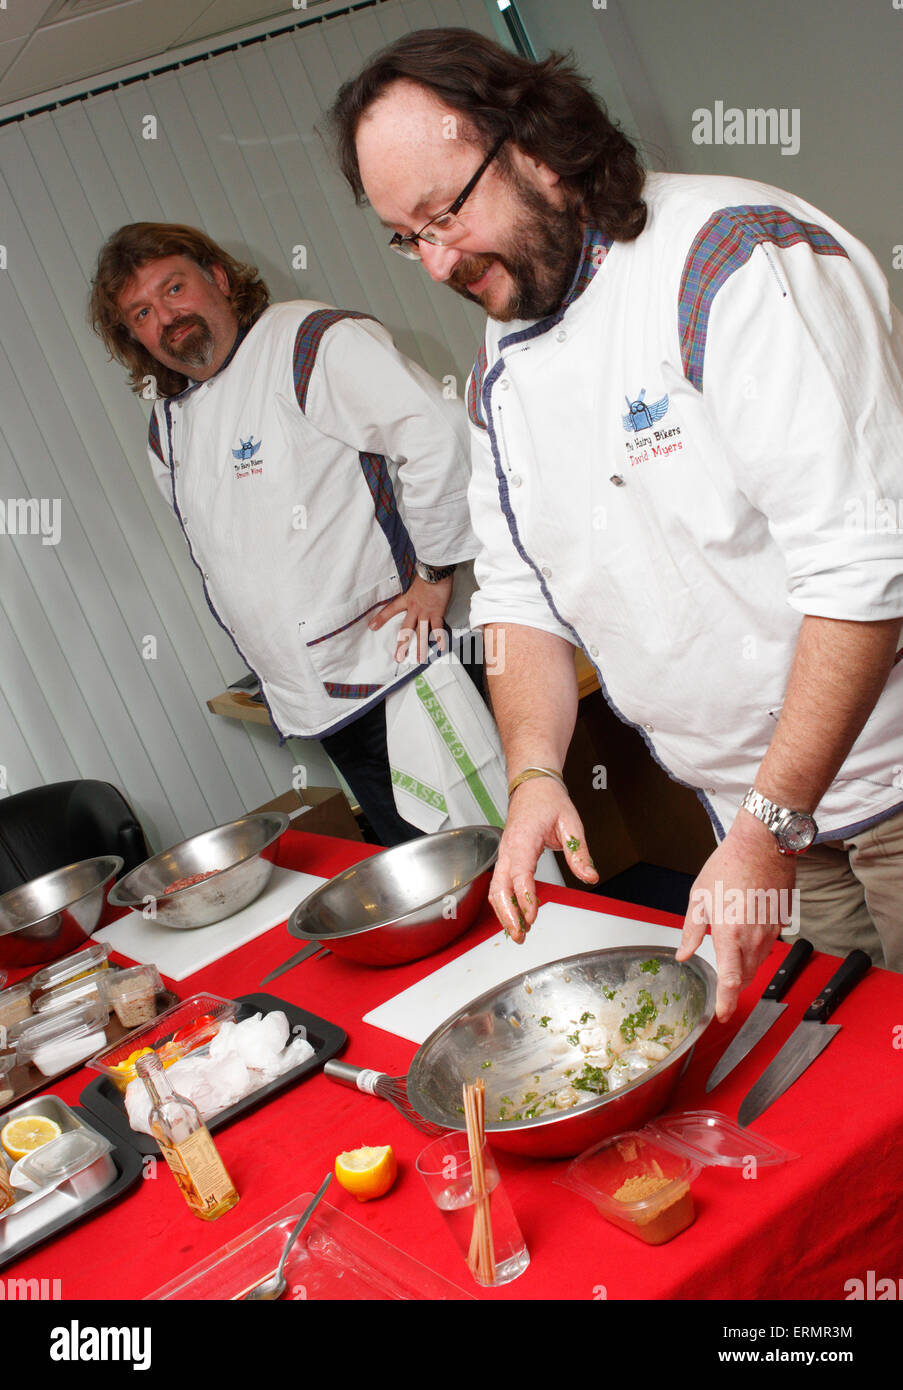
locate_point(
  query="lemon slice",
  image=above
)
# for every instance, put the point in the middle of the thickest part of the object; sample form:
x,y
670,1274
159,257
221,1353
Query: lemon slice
x,y
367,1172
29,1132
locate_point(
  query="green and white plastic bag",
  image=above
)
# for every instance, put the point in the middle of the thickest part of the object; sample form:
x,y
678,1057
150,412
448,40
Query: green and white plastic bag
x,y
447,763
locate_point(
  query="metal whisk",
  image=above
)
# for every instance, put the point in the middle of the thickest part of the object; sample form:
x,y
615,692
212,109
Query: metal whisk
x,y
390,1088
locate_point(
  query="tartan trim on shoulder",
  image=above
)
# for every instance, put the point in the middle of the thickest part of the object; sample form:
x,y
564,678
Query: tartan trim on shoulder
x,y
475,389
153,436
722,246
339,691
307,344
376,473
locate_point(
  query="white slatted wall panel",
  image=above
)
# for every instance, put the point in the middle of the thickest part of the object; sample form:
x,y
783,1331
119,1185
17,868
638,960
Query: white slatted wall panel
x,y
236,153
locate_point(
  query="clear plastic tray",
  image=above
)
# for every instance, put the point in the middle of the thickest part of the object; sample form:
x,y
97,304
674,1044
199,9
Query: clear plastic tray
x,y
15,1007
63,972
33,1212
80,1158
89,988
159,1036
333,1258
54,1041
642,1180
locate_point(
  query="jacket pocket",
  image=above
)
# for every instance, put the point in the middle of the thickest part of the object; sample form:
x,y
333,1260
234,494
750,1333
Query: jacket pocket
x,y
350,660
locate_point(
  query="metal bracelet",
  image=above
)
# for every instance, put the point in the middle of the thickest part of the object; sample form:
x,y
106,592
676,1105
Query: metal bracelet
x,y
527,773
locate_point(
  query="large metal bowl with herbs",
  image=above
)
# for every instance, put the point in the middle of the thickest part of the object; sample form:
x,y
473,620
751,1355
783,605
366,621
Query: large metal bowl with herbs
x,y
569,1052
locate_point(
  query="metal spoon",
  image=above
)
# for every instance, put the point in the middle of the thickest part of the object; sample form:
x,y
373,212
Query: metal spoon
x,y
275,1286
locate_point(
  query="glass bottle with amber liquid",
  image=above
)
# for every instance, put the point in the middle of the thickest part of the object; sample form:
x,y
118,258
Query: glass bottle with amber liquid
x,y
186,1145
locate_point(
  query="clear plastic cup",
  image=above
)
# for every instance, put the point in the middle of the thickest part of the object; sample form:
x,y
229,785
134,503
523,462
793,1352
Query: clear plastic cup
x,y
445,1167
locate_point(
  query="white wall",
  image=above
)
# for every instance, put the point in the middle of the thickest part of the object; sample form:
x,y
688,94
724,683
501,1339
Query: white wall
x,y
655,62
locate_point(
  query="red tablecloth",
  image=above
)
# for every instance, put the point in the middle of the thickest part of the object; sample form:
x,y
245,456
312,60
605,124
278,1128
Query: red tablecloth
x,y
798,1231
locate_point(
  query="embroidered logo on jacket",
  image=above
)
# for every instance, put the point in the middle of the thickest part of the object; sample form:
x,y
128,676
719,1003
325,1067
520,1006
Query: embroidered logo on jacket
x,y
641,416
644,443
244,454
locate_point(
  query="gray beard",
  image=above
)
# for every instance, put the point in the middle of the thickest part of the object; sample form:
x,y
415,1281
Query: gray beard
x,y
198,354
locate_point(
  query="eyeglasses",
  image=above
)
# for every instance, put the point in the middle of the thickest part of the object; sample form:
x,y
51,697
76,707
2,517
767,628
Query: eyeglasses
x,y
444,229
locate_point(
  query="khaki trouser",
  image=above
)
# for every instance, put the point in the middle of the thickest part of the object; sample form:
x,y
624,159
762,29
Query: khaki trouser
x,y
851,894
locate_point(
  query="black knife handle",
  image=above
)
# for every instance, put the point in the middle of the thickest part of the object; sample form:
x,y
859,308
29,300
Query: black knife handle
x,y
838,987
794,961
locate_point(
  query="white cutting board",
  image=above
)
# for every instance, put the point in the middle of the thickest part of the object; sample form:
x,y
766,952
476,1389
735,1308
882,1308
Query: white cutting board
x,y
178,953
558,931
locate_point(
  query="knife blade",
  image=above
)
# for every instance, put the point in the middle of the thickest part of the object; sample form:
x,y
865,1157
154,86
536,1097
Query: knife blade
x,y
766,1012
310,950
809,1038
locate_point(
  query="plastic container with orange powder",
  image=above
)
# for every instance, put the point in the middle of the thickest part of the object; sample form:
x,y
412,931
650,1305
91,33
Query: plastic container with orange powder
x,y
642,1180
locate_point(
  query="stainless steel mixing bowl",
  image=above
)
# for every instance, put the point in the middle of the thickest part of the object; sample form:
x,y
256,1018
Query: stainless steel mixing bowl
x,y
233,851
501,1037
55,914
405,903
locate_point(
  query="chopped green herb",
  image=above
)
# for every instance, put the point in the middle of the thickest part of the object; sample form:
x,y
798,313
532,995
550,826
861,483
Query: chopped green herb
x,y
591,1079
609,993
545,1020
572,843
584,1018
634,1023
486,1064
651,967
573,1039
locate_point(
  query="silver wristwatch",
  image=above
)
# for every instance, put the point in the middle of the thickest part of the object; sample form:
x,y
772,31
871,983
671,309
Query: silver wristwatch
x,y
794,831
431,574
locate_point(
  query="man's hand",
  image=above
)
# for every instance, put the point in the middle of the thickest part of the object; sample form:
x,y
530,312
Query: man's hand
x,y
424,608
540,815
746,861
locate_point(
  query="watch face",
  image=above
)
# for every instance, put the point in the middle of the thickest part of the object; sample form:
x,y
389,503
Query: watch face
x,y
797,833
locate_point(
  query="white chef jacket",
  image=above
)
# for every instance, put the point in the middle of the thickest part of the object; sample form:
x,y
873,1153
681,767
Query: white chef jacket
x,y
284,470
701,445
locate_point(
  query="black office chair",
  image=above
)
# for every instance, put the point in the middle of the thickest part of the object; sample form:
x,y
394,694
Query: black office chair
x,y
46,827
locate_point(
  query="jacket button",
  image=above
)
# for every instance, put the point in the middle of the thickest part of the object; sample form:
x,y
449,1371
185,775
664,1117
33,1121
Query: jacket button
x,y
650,728
617,480
561,334
594,651
547,572
504,384
516,480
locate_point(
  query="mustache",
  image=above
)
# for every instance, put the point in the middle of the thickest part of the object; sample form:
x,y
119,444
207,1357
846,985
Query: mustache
x,y
189,321
469,269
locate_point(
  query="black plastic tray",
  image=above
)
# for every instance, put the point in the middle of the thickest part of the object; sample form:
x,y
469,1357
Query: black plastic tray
x,y
129,1165
105,1100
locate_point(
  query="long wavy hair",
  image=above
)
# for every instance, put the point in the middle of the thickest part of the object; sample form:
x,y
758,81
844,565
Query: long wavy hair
x,y
547,109
132,247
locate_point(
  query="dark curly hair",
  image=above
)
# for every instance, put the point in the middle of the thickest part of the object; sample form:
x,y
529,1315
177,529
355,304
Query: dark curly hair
x,y
545,108
132,247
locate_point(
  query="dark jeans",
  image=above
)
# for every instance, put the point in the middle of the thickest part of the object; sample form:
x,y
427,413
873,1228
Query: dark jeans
x,y
359,752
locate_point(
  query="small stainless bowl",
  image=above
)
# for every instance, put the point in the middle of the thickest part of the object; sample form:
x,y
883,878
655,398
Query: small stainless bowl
x,y
51,916
404,903
500,1038
234,852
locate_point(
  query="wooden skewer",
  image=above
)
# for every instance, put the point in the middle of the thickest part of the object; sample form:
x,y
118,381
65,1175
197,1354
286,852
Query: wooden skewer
x,y
481,1256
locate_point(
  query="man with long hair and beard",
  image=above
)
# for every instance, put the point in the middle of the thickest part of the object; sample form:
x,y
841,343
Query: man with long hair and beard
x,y
686,385
320,479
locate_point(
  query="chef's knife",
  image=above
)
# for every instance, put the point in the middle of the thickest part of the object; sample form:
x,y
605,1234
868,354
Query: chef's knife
x,y
806,1041
766,1012
296,959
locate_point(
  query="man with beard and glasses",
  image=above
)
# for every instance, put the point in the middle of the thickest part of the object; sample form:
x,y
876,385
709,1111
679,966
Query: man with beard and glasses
x,y
688,391
320,479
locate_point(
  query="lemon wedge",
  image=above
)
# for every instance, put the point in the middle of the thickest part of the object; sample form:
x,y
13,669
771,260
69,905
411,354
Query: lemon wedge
x,y
28,1132
368,1172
